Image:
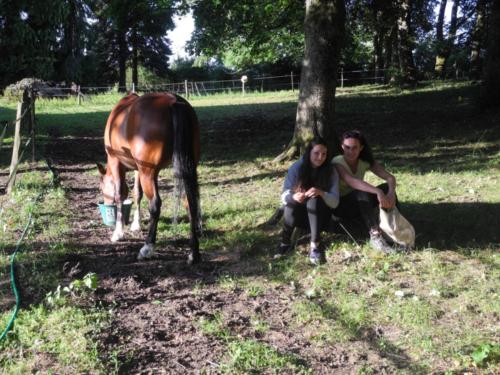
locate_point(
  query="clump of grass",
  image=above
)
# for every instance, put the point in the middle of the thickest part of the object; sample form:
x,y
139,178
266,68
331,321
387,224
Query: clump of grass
x,y
253,357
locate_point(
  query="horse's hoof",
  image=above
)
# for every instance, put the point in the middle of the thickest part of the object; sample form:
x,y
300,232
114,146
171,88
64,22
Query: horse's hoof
x,y
116,237
135,227
193,259
147,251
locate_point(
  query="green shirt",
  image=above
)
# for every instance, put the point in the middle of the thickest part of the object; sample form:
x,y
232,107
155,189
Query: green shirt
x,y
363,166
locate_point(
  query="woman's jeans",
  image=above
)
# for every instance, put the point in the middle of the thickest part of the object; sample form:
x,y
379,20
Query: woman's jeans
x,y
312,214
361,204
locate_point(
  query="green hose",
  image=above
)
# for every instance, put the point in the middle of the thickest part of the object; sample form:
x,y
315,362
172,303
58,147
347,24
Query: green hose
x,y
12,279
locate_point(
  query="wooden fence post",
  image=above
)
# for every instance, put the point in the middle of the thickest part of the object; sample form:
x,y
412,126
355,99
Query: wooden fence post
x,y
186,89
32,122
291,80
15,148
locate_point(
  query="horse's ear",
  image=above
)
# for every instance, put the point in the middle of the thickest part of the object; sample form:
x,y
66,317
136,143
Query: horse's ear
x,y
102,169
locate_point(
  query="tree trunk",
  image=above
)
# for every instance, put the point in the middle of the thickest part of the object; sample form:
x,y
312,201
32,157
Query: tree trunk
x,y
135,58
439,64
406,64
476,39
122,64
446,46
324,31
491,85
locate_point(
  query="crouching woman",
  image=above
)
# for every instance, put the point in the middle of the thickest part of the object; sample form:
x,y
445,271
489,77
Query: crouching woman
x,y
310,193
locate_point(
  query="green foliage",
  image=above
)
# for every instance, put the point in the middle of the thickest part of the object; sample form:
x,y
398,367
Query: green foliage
x,y
485,353
239,36
76,287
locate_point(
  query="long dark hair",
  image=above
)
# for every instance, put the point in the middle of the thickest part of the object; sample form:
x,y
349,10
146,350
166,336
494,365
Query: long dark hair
x,y
366,153
308,176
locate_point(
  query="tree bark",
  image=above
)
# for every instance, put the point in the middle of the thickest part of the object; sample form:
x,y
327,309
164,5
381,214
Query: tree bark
x,y
122,63
324,30
446,46
439,64
476,39
405,45
491,84
135,61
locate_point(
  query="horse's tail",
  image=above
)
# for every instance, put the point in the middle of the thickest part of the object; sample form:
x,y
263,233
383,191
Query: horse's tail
x,y
184,159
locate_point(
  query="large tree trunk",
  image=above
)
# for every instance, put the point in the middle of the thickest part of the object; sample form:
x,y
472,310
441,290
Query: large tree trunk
x,y
491,84
476,39
324,30
406,64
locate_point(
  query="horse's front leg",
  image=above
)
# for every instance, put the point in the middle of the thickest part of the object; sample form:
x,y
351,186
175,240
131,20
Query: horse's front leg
x,y
136,223
121,192
150,187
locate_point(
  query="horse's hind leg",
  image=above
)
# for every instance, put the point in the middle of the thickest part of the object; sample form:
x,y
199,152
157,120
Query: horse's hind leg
x,y
136,223
150,187
191,188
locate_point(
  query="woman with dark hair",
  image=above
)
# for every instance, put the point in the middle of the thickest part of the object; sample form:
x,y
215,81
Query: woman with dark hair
x,y
310,192
357,197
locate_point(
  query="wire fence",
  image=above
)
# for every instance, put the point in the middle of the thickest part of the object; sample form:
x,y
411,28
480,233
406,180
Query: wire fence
x,y
241,84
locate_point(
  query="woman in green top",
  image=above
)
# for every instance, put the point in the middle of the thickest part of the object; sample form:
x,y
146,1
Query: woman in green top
x,y
358,197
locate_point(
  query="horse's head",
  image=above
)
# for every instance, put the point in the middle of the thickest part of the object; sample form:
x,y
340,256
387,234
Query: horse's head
x,y
106,184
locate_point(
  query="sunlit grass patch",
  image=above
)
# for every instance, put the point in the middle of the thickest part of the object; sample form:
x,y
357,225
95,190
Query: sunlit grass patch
x,y
62,339
249,356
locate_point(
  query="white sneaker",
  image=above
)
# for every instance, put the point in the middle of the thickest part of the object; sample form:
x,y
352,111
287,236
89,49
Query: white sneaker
x,y
378,242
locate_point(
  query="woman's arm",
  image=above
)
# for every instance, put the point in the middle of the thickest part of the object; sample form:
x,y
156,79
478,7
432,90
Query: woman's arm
x,y
380,171
361,185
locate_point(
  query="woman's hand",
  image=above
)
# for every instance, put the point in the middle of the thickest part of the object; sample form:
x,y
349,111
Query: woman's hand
x,y
314,192
383,200
391,198
299,196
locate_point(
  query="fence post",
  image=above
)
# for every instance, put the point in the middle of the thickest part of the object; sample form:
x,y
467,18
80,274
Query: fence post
x,y
32,122
15,148
186,90
79,95
342,77
291,81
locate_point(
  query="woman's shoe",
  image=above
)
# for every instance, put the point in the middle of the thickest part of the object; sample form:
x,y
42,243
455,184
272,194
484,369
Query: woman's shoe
x,y
317,256
378,242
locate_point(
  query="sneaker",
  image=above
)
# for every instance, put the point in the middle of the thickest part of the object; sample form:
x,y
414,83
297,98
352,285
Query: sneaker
x,y
317,256
283,250
378,242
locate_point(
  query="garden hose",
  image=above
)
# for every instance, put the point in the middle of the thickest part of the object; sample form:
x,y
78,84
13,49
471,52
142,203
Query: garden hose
x,y
12,278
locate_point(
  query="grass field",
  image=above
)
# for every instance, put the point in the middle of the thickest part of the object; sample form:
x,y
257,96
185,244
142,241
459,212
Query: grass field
x,y
436,307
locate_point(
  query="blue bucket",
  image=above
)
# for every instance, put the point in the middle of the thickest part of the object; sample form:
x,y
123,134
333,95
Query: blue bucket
x,y
108,212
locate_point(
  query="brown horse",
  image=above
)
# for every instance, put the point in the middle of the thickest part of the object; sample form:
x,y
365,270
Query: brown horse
x,y
146,133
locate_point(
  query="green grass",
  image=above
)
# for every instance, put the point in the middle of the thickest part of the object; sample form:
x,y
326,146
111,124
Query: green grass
x,y
435,308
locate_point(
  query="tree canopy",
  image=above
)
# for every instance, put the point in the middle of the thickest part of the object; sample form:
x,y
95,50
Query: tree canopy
x,y
96,41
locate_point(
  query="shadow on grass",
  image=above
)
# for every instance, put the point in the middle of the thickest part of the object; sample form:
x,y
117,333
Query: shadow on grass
x,y
455,226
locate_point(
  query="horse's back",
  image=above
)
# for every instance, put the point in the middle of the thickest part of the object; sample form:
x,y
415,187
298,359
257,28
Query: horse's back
x,y
140,129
